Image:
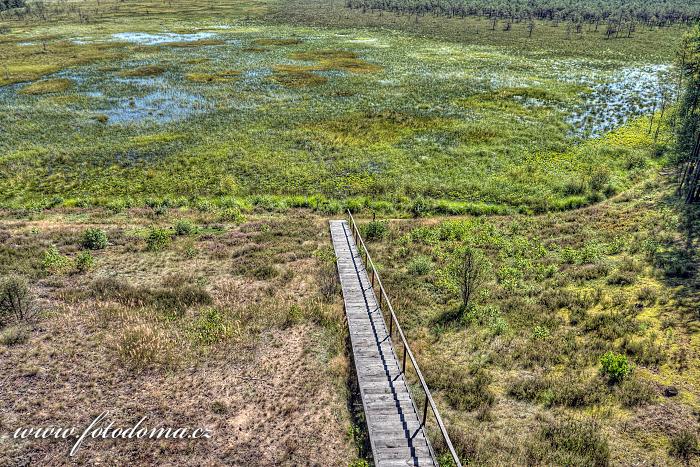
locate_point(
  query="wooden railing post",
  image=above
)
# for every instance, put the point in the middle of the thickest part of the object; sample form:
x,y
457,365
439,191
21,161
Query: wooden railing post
x,y
403,365
425,410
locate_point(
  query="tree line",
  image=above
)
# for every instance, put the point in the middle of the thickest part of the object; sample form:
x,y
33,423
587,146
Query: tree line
x,y
612,17
10,4
688,130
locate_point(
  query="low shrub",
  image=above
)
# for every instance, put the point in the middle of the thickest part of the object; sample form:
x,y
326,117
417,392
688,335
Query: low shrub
x,y
16,302
14,335
157,239
84,262
573,442
375,230
684,446
615,366
185,227
94,239
54,262
420,265
210,327
634,392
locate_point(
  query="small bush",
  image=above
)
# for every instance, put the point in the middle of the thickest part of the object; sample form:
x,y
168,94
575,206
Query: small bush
x,y
420,266
375,230
231,214
647,295
265,272
599,179
16,302
210,327
84,262
684,446
468,391
634,392
622,278
94,239
574,442
615,366
528,388
15,335
158,239
54,262
184,228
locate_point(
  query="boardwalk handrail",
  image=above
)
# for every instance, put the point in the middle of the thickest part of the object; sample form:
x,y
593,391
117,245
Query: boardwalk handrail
x,y
394,322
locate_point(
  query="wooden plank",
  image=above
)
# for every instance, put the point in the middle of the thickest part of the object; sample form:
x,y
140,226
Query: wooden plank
x,y
395,430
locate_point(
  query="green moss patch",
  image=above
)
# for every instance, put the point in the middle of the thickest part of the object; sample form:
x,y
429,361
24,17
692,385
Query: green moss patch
x,y
47,87
338,60
148,70
297,77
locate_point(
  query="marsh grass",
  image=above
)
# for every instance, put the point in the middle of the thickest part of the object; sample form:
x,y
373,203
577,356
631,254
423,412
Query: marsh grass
x,y
50,86
148,70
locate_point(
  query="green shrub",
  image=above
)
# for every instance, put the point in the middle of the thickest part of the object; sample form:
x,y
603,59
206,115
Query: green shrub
x,y
467,390
94,239
265,272
599,178
16,302
540,332
54,262
84,261
615,366
420,266
210,327
185,227
157,239
528,388
622,278
375,230
231,214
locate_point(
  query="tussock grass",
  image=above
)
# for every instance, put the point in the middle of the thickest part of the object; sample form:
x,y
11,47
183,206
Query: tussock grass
x,y
148,70
297,77
49,86
277,42
216,77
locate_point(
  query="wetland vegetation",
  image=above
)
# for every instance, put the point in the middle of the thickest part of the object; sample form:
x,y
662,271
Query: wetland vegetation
x,y
167,171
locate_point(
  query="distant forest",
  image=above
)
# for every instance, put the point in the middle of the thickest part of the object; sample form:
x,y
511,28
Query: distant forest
x,y
611,13
9,4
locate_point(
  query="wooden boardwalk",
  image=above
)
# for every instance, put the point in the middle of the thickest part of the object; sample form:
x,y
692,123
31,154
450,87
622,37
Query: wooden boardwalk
x,y
395,431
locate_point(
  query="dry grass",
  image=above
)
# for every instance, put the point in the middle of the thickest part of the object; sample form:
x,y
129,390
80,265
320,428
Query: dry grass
x,y
248,363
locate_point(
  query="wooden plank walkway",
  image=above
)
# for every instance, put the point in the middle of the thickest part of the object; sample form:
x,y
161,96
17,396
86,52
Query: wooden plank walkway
x,y
395,432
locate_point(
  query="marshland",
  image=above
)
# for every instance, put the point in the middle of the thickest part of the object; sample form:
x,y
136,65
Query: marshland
x,y
168,170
